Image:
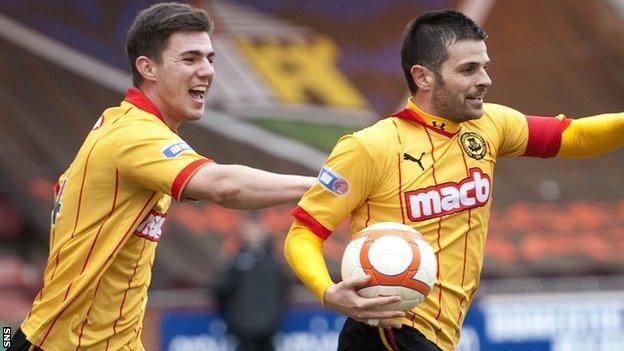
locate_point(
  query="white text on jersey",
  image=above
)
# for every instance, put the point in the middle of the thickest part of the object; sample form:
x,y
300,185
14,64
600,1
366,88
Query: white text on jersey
x,y
447,198
151,227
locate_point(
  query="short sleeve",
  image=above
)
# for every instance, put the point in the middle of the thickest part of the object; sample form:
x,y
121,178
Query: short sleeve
x,y
150,156
344,182
512,130
522,135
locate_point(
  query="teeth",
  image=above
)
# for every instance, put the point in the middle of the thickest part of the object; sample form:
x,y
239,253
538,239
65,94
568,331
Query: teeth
x,y
199,90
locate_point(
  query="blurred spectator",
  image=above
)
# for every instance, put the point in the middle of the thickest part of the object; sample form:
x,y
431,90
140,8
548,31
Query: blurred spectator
x,y
251,290
11,223
16,236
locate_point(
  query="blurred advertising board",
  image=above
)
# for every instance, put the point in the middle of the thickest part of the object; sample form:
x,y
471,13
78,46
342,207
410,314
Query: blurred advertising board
x,y
546,322
302,330
536,322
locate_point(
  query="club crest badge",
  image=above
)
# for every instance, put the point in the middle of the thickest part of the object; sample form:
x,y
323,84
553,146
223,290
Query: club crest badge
x,y
474,145
333,181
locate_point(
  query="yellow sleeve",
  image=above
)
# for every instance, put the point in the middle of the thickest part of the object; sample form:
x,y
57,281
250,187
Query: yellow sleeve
x,y
510,136
344,183
591,136
304,253
150,156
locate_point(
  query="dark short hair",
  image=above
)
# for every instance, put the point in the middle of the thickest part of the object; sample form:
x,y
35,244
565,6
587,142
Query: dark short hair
x,y
153,26
427,38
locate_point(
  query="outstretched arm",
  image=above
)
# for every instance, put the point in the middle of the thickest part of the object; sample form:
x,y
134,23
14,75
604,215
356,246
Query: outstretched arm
x,y
591,136
303,250
241,187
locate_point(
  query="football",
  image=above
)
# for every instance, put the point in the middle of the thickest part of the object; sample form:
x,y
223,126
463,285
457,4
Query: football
x,y
399,260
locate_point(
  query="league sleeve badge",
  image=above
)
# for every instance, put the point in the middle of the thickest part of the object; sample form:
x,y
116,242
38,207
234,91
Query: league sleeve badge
x,y
174,149
333,181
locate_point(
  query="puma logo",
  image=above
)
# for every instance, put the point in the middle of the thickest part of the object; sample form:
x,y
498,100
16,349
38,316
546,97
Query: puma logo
x,y
409,157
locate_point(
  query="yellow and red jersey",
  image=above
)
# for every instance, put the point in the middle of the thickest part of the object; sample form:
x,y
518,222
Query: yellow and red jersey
x,y
436,176
110,206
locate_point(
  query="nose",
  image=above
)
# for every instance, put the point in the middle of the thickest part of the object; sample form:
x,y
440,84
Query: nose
x,y
206,69
484,79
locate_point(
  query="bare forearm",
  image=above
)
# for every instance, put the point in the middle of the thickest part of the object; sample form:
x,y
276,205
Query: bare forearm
x,y
251,188
242,187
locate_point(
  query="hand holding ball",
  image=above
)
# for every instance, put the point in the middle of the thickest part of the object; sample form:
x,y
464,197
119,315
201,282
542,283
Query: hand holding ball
x,y
398,259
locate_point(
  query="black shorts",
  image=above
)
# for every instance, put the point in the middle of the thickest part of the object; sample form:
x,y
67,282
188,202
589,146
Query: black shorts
x,y
19,343
357,336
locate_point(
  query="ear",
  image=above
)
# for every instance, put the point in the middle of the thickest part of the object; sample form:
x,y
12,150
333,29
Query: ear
x,y
146,67
423,77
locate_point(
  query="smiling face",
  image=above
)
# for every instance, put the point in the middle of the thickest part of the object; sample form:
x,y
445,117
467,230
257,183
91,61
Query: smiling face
x,y
462,82
179,83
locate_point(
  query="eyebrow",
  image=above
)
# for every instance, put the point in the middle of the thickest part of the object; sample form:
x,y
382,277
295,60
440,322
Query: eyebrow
x,y
197,53
474,63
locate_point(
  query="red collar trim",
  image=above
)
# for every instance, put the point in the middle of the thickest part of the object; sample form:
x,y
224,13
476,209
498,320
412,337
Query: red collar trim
x,y
138,99
412,115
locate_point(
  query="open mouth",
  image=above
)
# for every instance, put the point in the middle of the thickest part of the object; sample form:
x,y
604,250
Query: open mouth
x,y
478,100
198,92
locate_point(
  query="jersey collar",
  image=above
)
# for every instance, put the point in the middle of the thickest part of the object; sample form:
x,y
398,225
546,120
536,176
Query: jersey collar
x,y
140,100
437,124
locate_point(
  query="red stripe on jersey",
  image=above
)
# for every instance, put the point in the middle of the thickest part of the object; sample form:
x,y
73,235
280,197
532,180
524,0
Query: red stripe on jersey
x,y
123,301
84,176
138,99
400,179
545,136
400,188
84,266
184,176
464,268
315,226
56,260
461,313
132,227
435,181
97,287
469,220
130,230
40,345
414,116
67,291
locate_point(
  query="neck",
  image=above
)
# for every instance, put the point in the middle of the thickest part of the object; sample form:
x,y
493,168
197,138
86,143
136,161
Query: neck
x,y
153,96
439,123
424,103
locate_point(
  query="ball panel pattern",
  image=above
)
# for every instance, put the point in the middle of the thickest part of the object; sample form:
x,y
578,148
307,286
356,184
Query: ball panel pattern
x,y
398,259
